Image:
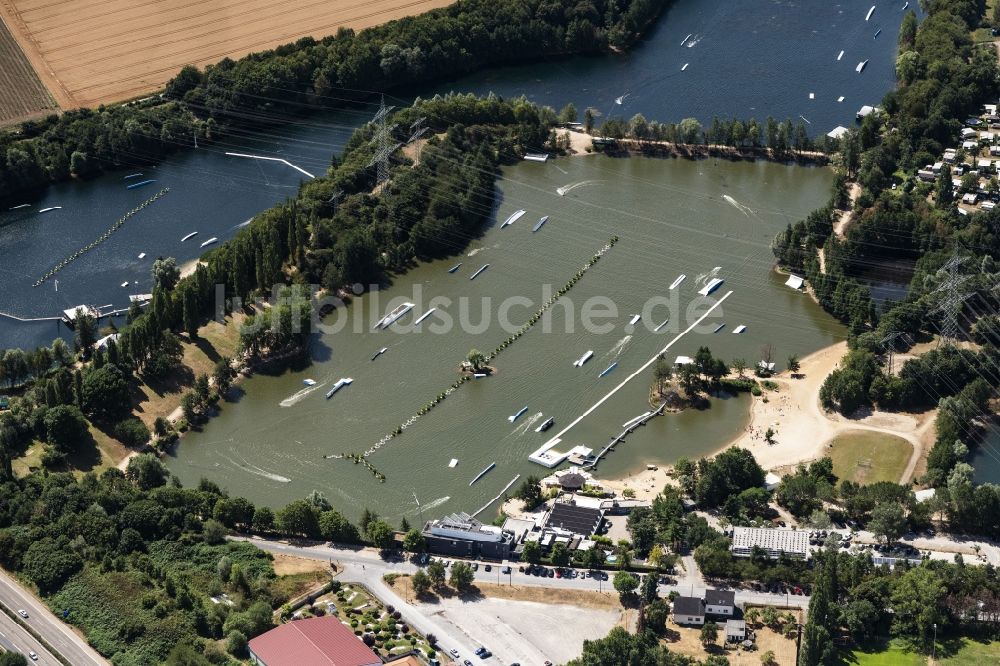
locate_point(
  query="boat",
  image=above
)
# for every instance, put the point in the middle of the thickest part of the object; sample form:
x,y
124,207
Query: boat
x,y
676,282
481,269
139,184
578,363
142,255
424,316
840,56
877,33
661,325
45,210
719,327
132,175
712,285
861,66
455,267
811,96
211,240
546,424
520,413
391,318
125,284
686,38
309,382
341,383
454,461
620,100
685,66
905,5
515,216
634,320
189,236
379,353
483,473
739,329
609,369
870,12
19,206
538,225
840,99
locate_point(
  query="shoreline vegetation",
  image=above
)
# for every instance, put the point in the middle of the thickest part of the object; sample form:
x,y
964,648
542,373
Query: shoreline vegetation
x,y
340,71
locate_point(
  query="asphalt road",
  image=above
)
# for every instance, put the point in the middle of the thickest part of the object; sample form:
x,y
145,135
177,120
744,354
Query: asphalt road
x,y
14,638
366,566
56,633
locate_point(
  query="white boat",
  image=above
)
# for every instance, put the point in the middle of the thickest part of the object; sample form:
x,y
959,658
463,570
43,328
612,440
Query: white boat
x,y
578,363
861,66
379,353
719,327
142,255
424,316
454,461
739,329
661,325
685,66
189,236
870,12
712,285
513,218
391,318
481,269
45,210
840,56
676,282
538,225
634,320
546,424
686,38
125,283
877,33
210,241
520,413
341,383
812,96
840,99
309,382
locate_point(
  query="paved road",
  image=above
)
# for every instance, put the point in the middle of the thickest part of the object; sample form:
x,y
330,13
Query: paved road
x,y
366,566
14,638
56,633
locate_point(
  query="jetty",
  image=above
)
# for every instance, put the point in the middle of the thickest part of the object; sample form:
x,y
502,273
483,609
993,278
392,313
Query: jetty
x,y
481,269
502,493
629,428
341,383
28,319
272,159
483,473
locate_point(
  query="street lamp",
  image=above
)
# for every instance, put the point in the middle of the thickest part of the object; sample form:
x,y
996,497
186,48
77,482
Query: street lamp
x,y
934,644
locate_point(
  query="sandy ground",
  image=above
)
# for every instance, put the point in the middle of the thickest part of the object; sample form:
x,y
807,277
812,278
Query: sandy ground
x,y
285,565
840,226
90,52
803,429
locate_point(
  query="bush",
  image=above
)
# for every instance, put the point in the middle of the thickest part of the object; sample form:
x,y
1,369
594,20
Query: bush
x,y
236,644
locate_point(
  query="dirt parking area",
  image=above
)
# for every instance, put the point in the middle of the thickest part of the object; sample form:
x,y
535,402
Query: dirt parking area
x,y
90,52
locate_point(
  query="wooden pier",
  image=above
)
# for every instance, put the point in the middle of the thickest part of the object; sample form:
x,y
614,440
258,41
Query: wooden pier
x,y
623,434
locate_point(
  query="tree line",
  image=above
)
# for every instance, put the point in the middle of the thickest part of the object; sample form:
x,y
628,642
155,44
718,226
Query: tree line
x,y
338,71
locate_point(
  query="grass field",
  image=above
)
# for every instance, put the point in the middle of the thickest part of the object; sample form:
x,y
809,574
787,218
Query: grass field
x,y
91,52
890,654
867,457
968,652
23,94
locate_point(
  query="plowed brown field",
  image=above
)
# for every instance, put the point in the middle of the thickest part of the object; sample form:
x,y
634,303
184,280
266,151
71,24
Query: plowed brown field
x,y
91,52
22,95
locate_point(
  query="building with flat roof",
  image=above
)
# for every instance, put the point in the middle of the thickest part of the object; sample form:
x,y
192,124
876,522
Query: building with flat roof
x,y
316,641
461,535
774,542
736,631
571,517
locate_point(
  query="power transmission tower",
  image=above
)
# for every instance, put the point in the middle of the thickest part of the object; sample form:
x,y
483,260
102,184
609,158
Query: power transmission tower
x,y
888,343
383,142
952,298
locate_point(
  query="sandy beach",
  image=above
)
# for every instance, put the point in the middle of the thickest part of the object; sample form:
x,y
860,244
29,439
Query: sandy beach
x,y
803,428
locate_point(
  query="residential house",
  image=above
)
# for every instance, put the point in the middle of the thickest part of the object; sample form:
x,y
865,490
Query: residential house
x,y
689,610
720,603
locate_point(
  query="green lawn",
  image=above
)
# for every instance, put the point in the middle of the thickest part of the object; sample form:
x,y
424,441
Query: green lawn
x,y
969,652
867,457
887,654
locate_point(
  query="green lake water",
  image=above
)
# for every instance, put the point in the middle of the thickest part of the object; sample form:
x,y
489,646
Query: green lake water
x,y
671,217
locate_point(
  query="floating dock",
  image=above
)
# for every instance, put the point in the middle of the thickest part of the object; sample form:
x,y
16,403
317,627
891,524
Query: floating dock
x,y
189,236
537,157
453,462
132,175
502,492
739,329
583,359
341,383
661,325
719,327
628,429
483,473
19,206
210,241
538,225
46,210
676,283
634,320
272,159
481,269
870,12
424,316
684,67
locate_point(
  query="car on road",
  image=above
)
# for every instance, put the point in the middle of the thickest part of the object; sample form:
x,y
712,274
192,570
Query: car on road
x,y
453,652
505,570
480,650
32,655
489,567
467,663
486,655
550,573
23,613
558,573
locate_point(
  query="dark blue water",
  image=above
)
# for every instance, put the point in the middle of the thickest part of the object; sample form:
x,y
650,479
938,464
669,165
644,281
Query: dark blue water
x,y
747,58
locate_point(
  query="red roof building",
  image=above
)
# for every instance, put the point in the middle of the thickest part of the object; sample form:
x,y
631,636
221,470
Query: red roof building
x,y
316,641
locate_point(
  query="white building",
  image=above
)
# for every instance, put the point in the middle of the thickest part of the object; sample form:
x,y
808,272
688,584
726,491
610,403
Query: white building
x,y
774,542
721,603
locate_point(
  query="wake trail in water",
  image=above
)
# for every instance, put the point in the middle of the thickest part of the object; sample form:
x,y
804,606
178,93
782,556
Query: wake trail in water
x,y
241,225
475,252
703,279
524,427
693,41
299,395
746,210
619,347
565,189
433,504
253,469
563,171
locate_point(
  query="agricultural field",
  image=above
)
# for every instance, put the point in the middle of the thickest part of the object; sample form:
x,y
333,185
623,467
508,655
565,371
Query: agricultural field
x,y
92,52
23,95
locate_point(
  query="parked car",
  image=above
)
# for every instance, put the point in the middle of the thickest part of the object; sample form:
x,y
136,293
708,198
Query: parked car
x,y
558,573
550,573
506,570
453,652
488,567
480,650
486,654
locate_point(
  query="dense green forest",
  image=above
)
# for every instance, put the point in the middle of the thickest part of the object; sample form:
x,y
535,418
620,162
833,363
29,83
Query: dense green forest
x,y
336,72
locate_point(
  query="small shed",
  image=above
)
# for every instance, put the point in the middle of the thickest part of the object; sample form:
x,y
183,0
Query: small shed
x,y
683,360
736,631
970,198
837,132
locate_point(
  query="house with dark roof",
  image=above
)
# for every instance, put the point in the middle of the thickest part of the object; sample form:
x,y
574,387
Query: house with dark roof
x,y
316,641
571,517
689,610
720,603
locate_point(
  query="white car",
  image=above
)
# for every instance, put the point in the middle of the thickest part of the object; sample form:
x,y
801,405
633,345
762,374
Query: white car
x,y
453,652
22,612
32,655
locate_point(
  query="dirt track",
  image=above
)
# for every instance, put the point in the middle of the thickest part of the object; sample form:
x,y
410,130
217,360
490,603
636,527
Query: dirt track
x,y
90,52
